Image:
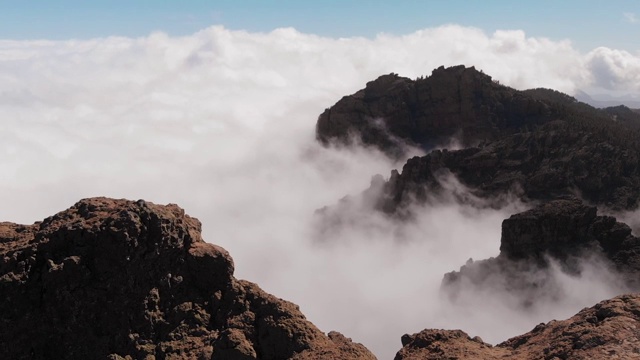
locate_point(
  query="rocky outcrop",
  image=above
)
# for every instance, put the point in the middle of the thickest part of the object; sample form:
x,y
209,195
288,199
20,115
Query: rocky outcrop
x,y
433,344
564,231
392,112
120,279
564,227
608,330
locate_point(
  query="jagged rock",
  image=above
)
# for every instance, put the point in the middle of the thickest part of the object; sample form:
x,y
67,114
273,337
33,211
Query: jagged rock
x,y
565,227
120,279
563,231
608,330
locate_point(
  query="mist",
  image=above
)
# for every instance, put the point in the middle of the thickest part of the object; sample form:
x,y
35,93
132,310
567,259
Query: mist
x,y
222,123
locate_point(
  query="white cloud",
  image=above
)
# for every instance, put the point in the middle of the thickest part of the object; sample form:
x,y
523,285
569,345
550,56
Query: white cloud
x,y
615,70
630,17
222,123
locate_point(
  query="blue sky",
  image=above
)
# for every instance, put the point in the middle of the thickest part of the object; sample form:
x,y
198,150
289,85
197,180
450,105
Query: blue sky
x,y
587,23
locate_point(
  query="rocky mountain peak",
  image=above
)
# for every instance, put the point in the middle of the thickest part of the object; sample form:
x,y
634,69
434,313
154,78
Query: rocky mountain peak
x,y
393,113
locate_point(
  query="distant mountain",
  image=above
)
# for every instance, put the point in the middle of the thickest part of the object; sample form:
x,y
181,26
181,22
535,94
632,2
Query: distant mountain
x,y
394,112
608,101
539,143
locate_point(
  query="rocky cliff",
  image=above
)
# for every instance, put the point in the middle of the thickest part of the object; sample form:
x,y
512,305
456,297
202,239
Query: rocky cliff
x,y
608,330
121,279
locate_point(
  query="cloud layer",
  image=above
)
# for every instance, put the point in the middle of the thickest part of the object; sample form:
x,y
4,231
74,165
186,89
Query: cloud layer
x,y
222,123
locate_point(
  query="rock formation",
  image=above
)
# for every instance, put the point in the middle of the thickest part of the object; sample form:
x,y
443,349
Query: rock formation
x,y
608,330
120,279
565,231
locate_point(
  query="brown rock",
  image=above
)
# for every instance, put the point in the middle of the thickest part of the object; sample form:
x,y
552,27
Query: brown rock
x,y
433,344
120,279
608,330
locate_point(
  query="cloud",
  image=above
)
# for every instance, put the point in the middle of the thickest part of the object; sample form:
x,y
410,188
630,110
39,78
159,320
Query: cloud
x,y
222,123
613,69
630,17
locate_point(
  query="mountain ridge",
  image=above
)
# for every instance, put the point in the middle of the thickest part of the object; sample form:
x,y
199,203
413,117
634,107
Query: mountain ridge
x,y
541,142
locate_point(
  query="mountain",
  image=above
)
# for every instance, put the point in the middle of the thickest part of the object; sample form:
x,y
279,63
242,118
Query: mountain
x,y
608,101
539,143
118,279
485,145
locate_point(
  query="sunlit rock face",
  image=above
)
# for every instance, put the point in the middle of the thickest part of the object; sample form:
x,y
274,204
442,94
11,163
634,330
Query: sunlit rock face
x,y
115,278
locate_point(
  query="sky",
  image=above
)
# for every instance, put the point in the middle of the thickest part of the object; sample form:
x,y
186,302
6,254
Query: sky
x,y
213,107
587,23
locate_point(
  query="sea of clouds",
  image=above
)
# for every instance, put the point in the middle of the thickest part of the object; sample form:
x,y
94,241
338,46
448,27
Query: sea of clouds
x,y
222,123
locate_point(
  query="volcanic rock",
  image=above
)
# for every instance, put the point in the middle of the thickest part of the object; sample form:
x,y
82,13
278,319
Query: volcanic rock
x,y
608,330
121,279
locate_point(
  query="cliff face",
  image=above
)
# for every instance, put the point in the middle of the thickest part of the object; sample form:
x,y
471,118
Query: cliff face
x,y
607,330
115,278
